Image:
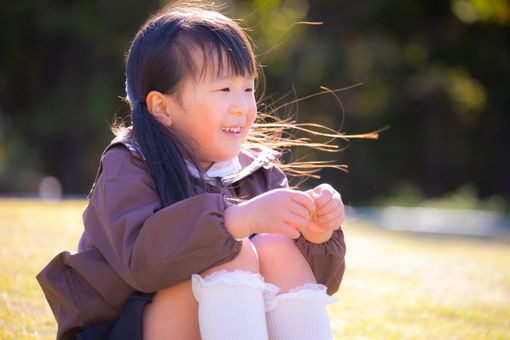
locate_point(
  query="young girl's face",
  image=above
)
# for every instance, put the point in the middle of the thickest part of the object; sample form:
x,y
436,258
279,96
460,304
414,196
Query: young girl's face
x,y
214,114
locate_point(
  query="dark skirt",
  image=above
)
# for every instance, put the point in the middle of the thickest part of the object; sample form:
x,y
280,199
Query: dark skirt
x,y
128,326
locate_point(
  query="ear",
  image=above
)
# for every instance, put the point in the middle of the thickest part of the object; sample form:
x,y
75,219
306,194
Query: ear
x,y
158,106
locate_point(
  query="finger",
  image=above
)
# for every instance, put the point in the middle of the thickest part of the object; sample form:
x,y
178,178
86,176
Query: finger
x,y
296,221
319,188
315,228
312,194
300,210
324,198
288,230
304,199
329,221
330,207
338,210
334,225
324,187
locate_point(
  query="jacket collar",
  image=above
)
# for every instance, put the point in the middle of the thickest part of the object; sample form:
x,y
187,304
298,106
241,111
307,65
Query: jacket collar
x,y
249,160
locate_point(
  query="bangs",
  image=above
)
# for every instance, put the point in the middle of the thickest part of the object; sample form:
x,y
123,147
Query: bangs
x,y
212,51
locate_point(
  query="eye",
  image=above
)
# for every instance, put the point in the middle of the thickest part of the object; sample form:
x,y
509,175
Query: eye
x,y
225,89
249,89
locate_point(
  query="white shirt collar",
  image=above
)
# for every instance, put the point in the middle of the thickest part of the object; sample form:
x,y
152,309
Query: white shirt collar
x,y
224,169
219,169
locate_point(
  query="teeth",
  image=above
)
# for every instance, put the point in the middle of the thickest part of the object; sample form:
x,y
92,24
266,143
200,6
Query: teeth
x,y
232,129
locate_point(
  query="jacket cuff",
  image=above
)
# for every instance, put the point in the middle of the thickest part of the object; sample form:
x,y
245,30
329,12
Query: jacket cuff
x,y
334,246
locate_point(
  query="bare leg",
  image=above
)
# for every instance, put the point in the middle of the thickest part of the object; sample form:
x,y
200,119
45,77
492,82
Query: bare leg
x,y
281,262
173,314
300,314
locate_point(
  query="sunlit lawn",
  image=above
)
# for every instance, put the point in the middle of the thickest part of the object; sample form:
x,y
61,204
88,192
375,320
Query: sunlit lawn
x,y
396,285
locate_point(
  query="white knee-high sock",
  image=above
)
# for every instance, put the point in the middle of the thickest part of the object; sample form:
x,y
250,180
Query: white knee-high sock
x,y
300,314
231,305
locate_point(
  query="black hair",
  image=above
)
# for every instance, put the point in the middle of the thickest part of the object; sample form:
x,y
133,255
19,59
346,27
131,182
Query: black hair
x,y
159,59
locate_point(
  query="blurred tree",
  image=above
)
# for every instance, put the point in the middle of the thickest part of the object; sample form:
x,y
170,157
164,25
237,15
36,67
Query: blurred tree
x,y
435,71
437,80
60,78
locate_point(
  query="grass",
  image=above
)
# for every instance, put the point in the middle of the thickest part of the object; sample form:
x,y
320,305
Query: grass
x,y
396,285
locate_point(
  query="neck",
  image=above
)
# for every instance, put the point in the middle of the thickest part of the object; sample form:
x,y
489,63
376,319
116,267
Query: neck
x,y
205,165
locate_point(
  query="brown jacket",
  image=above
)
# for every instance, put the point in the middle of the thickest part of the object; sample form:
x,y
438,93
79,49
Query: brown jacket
x,y
130,244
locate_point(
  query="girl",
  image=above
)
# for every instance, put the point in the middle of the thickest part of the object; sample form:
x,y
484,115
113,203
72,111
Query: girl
x,y
191,232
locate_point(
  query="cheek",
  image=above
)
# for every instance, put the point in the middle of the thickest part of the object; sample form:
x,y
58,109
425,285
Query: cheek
x,y
252,114
250,119
249,122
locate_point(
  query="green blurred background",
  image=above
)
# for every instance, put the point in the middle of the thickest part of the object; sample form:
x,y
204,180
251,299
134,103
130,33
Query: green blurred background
x,y
436,72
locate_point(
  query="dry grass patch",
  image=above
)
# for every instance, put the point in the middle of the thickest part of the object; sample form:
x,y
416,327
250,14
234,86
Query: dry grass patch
x,y
396,285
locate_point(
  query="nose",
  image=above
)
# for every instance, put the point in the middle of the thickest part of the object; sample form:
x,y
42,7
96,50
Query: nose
x,y
240,105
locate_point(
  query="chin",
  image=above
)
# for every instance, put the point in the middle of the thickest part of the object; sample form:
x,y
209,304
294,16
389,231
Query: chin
x,y
226,156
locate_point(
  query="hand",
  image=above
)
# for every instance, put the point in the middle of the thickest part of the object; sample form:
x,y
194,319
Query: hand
x,y
282,211
330,213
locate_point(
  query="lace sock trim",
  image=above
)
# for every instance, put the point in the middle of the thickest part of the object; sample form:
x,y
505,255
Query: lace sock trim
x,y
308,291
236,277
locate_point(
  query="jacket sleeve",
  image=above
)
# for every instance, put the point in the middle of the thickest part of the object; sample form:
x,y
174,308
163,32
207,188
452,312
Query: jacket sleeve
x,y
149,247
327,259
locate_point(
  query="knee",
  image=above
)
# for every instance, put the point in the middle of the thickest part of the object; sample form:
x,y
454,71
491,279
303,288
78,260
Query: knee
x,y
247,259
281,262
276,247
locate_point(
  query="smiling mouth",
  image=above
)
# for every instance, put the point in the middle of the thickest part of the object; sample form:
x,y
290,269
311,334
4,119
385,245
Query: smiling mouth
x,y
231,129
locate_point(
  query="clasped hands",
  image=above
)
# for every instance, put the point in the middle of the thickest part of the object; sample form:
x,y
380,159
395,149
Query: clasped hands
x,y
315,213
